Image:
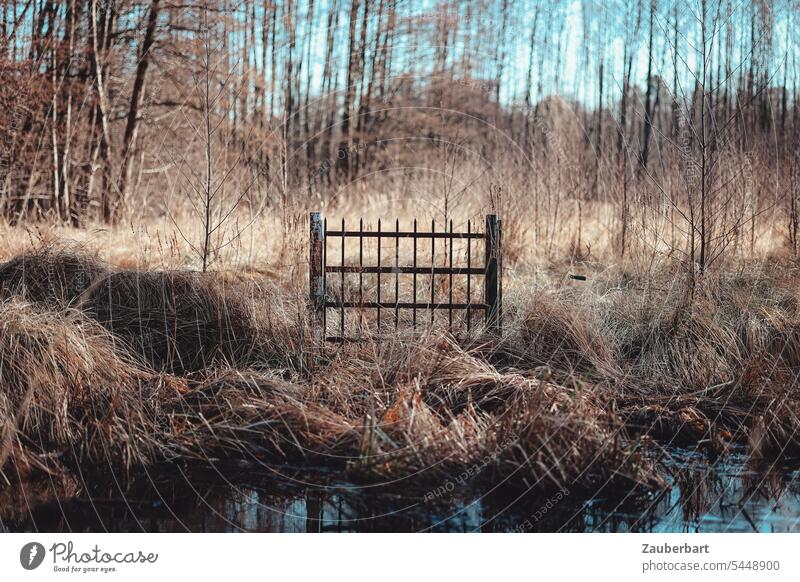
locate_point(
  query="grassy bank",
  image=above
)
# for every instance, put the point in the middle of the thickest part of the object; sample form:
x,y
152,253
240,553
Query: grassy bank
x,y
107,371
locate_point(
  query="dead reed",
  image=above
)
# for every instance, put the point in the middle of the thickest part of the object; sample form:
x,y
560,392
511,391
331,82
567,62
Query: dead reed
x,y
135,367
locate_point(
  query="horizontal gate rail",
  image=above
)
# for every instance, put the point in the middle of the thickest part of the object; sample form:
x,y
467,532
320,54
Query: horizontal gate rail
x,y
402,305
319,269
405,270
403,234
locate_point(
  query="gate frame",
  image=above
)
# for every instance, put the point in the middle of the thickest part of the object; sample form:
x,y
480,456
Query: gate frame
x,y
318,269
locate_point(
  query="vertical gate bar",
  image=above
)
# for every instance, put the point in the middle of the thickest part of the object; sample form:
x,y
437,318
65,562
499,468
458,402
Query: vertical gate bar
x,y
324,278
469,277
450,283
414,309
396,273
360,276
316,273
499,275
379,277
490,277
433,266
341,287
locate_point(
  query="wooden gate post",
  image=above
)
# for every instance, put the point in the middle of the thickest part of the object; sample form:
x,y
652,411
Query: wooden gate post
x,y
316,274
491,278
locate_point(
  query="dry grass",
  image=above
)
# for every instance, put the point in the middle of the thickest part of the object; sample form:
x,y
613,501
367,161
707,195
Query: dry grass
x,y
53,275
185,322
711,370
116,368
176,321
70,397
414,429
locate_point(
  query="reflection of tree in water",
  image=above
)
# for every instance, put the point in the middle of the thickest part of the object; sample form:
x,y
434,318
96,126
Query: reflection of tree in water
x,y
699,489
206,503
762,480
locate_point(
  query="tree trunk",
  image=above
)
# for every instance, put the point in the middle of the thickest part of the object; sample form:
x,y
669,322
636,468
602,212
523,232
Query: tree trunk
x,y
132,124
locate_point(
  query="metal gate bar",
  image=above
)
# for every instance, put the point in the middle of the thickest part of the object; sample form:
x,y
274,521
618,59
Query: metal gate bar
x,y
319,270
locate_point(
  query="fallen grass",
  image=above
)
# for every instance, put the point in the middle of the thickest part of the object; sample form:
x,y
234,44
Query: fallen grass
x,y
71,399
113,369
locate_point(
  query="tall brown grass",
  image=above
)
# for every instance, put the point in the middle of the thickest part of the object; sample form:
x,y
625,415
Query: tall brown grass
x,y
123,368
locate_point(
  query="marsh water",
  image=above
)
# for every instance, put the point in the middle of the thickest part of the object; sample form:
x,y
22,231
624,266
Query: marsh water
x,y
706,496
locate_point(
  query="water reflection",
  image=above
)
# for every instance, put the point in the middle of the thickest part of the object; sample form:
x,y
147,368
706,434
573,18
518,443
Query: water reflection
x,y
706,496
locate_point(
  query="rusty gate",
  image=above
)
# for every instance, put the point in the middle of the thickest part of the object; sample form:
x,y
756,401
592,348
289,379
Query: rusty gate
x,y
487,271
